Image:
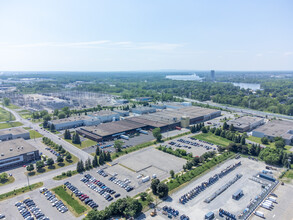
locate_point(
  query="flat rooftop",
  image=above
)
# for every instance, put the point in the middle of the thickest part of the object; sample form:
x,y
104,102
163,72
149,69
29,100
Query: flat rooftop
x,y
13,131
18,146
73,118
277,128
111,128
102,113
244,121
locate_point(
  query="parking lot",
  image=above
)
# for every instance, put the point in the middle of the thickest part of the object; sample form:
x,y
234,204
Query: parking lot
x,y
190,145
133,141
283,208
11,211
196,208
37,143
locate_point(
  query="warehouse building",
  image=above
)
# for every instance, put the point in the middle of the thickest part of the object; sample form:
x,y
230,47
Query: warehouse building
x,y
14,133
122,113
276,128
109,131
143,110
246,123
165,120
85,120
16,153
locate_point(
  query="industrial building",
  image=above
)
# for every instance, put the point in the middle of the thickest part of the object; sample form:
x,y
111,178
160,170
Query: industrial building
x,y
143,110
14,133
246,123
110,130
122,101
16,153
85,120
165,120
144,99
122,113
276,128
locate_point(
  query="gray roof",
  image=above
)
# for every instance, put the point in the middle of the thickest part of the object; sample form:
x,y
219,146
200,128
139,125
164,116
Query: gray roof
x,y
18,146
73,118
244,121
13,131
277,128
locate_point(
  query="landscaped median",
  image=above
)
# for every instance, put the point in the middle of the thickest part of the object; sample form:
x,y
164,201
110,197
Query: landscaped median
x,y
72,202
65,175
19,191
10,124
9,180
189,175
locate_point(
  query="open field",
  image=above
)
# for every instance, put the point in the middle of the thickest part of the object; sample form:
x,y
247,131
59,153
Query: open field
x,y
10,125
212,138
73,204
84,144
35,134
11,106
6,116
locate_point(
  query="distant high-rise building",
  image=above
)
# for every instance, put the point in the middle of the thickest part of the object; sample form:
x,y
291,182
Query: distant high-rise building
x,y
213,75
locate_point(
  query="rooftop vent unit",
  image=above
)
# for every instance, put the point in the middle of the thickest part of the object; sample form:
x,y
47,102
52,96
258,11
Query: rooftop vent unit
x,y
2,154
11,149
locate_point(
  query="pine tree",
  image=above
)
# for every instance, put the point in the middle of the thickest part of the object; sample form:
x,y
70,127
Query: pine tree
x,y
243,140
101,159
52,127
95,161
108,156
98,151
81,165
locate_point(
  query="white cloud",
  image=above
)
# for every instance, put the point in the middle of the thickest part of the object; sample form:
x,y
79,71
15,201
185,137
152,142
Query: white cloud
x,y
289,53
259,55
100,44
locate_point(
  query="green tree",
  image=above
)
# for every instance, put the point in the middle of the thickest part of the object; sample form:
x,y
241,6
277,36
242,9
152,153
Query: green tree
x,y
50,162
30,167
39,164
75,138
56,112
204,130
3,177
225,126
280,144
243,142
46,117
157,134
143,196
231,127
61,115
162,190
60,159
68,156
264,140
172,173
154,185
95,161
52,127
118,145
6,101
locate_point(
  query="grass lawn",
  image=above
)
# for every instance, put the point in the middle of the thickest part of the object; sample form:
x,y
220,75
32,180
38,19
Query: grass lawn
x,y
27,128
212,138
7,181
11,106
72,202
19,191
272,145
84,144
10,125
289,174
258,140
5,115
54,167
35,134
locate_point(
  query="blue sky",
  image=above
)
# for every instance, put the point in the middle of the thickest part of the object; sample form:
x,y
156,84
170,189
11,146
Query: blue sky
x,y
113,35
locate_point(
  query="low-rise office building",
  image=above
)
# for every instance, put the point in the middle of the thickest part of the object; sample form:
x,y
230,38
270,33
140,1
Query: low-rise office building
x,y
276,128
14,153
246,123
14,133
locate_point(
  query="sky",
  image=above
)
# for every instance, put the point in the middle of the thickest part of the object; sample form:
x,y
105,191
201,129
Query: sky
x,y
122,35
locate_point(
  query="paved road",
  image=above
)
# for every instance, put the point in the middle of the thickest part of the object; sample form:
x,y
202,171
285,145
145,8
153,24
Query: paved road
x,y
239,109
67,146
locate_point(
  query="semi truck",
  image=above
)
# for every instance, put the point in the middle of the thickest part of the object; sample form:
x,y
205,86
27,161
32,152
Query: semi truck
x,y
145,179
259,214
